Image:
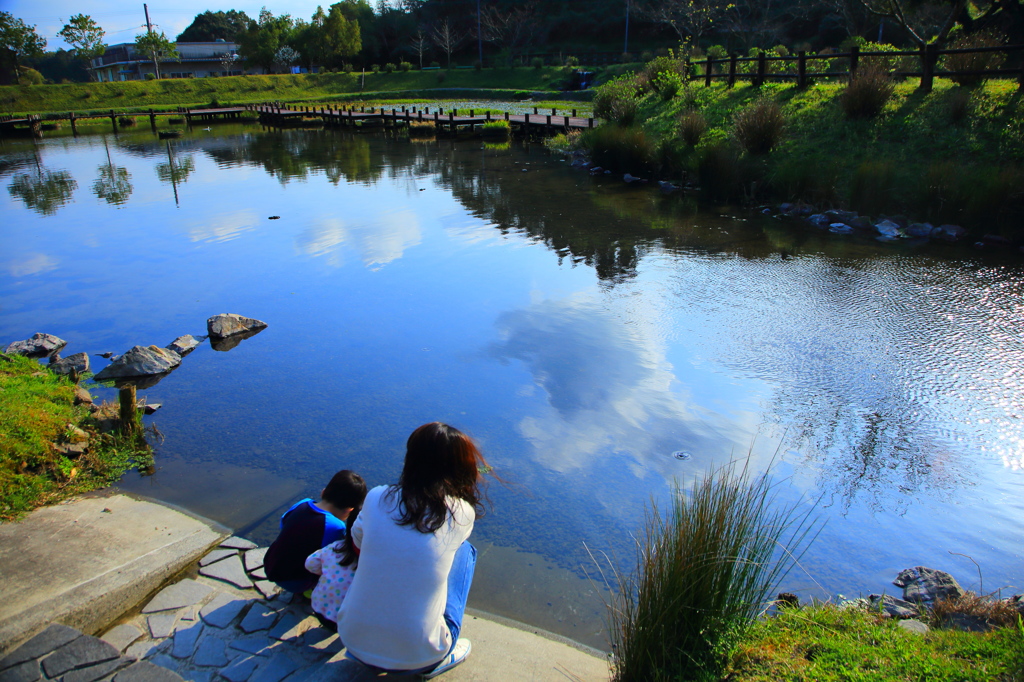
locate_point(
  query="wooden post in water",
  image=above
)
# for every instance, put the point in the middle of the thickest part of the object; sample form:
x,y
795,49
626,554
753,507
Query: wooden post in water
x,y
128,414
152,119
74,125
113,120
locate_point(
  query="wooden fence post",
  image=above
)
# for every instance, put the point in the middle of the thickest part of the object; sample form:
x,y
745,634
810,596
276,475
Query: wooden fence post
x,y
113,120
128,413
801,70
707,73
732,69
854,60
929,54
74,126
762,64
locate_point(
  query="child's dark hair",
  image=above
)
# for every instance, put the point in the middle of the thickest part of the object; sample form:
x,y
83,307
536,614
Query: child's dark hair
x,y
346,489
347,551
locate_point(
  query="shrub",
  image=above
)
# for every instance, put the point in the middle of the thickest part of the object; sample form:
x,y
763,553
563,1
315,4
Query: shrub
x,y
664,76
30,76
435,65
977,61
958,105
537,62
404,66
151,76
389,68
705,572
868,92
375,68
347,68
572,61
499,128
759,127
646,56
126,121
617,100
620,148
692,127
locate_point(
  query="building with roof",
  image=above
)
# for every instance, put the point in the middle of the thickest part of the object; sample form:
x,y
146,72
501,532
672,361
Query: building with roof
x,y
122,62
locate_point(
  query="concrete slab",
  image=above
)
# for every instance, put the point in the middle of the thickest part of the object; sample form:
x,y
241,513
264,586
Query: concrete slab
x,y
86,562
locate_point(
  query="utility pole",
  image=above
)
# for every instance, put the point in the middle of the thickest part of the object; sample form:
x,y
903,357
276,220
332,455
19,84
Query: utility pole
x,y
149,26
479,36
625,47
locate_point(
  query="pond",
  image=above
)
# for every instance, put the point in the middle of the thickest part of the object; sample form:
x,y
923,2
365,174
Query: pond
x,y
601,341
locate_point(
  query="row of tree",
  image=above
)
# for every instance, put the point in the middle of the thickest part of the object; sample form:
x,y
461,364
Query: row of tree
x,y
353,31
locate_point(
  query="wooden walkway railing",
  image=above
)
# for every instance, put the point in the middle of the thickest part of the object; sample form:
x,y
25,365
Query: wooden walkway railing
x,y
796,67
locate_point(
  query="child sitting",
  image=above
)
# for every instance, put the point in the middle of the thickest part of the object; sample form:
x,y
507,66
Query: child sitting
x,y
308,526
336,566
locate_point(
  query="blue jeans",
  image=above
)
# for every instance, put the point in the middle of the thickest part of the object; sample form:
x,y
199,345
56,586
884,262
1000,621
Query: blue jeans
x,y
460,579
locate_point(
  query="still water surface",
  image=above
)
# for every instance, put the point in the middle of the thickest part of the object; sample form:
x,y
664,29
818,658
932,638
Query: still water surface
x,y
583,331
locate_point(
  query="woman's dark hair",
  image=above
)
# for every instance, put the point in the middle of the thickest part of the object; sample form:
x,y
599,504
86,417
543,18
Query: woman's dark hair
x,y
347,551
440,462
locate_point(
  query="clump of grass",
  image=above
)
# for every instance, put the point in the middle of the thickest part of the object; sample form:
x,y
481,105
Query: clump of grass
x,y
868,92
621,148
827,642
974,61
617,100
499,128
126,121
705,572
759,127
422,129
871,187
692,127
565,142
992,613
37,410
958,105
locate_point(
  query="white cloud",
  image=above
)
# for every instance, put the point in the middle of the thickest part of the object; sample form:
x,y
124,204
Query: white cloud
x,y
32,264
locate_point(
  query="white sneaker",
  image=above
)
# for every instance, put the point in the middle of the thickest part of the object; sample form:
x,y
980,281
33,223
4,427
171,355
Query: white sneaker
x,y
457,655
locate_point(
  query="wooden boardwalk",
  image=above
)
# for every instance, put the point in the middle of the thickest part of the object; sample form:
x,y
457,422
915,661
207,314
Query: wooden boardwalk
x,y
546,121
33,124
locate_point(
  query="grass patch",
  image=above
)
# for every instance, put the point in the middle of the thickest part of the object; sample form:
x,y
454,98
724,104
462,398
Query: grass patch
x,y
825,643
705,572
37,411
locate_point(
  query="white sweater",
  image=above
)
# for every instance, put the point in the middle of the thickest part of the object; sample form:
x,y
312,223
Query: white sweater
x,y
393,614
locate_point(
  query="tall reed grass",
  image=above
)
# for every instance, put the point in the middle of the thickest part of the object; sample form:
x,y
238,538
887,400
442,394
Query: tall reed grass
x,y
705,571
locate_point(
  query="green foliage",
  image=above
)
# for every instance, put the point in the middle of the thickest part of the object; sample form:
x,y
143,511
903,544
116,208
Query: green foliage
x,y
759,127
30,77
868,92
157,47
404,66
537,63
705,571
958,103
982,61
692,127
617,100
572,61
389,68
621,148
259,43
664,75
872,185
21,39
36,410
85,35
210,26
828,643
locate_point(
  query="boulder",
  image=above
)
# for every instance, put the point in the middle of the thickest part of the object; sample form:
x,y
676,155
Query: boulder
x,y
819,220
840,228
887,228
36,347
72,364
140,361
920,229
230,342
183,345
667,187
229,324
82,396
926,585
861,222
836,215
892,607
949,233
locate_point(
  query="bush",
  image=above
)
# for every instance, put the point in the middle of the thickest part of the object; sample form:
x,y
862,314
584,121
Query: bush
x,y
499,128
572,61
30,76
151,76
692,127
982,61
126,121
537,63
622,149
868,92
375,68
389,68
404,66
759,127
646,56
347,68
617,100
435,65
664,76
704,574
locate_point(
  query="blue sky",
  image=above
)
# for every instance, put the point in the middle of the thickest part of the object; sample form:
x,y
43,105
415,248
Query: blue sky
x,y
123,21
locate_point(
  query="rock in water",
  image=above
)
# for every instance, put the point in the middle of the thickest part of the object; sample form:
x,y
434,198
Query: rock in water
x,y
183,345
921,584
140,361
229,324
39,345
77,363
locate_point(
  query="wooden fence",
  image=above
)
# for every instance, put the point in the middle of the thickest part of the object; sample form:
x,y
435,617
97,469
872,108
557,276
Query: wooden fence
x,y
762,68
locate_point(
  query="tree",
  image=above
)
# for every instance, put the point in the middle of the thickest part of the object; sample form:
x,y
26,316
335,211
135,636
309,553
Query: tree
x,y
342,33
259,43
20,39
447,37
925,21
420,44
156,46
688,18
85,35
511,28
211,26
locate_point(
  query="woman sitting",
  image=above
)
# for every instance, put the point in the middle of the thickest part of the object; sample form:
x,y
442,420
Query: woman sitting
x,y
404,609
